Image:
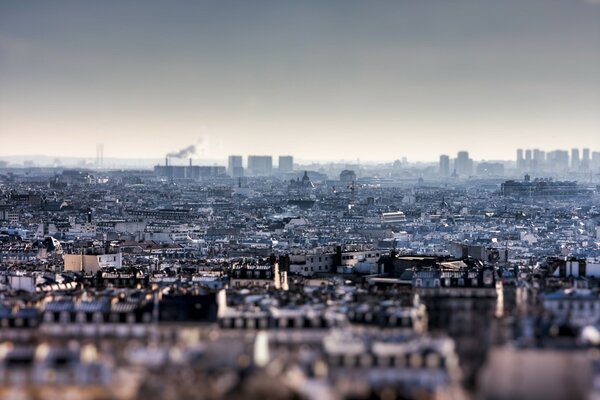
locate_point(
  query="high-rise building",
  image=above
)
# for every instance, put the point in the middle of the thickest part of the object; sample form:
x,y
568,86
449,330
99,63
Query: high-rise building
x,y
520,160
558,160
444,165
463,165
585,159
575,160
595,163
260,165
235,167
286,163
528,159
539,159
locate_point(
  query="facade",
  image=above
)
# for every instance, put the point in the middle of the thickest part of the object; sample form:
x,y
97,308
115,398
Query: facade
x,y
444,166
235,167
463,165
490,169
260,165
258,276
542,187
91,263
575,160
193,172
286,163
520,159
347,176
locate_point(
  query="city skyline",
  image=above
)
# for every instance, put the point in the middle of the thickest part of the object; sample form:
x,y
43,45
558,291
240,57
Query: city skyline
x,y
194,154
313,79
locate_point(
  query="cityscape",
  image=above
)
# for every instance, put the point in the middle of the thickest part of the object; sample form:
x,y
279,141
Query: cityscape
x,y
396,280
320,200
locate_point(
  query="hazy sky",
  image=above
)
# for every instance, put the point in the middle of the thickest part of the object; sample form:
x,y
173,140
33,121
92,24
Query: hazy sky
x,y
375,80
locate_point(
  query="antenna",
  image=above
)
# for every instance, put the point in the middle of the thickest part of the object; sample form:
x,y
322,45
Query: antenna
x,y
99,155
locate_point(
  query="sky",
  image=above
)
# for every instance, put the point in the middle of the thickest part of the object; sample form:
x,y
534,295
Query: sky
x,y
321,80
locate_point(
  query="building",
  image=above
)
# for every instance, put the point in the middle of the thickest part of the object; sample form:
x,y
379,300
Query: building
x,y
260,165
193,172
558,160
575,160
91,263
347,176
304,183
258,276
585,160
394,217
286,163
463,165
490,169
528,159
520,159
539,160
542,187
444,168
595,162
235,167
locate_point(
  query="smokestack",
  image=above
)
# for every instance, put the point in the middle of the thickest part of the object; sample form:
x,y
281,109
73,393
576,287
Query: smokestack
x,y
166,161
190,162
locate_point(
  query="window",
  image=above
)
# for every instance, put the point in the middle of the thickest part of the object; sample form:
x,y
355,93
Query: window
x,y
488,278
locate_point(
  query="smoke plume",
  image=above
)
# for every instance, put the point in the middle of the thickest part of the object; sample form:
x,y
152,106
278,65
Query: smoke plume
x,y
183,153
198,148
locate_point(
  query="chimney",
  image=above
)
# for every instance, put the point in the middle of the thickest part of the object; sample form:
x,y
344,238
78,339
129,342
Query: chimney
x,y
190,162
166,161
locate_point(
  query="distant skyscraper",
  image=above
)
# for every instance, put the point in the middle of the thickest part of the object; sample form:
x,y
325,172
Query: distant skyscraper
x,y
575,160
539,158
520,160
286,163
585,159
528,159
444,165
595,164
558,160
260,165
235,167
463,164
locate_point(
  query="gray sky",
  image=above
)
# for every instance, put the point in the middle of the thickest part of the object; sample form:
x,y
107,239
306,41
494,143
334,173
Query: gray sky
x,y
374,80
